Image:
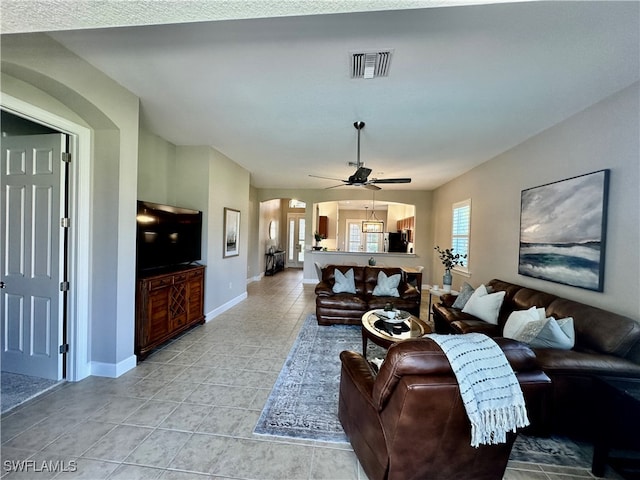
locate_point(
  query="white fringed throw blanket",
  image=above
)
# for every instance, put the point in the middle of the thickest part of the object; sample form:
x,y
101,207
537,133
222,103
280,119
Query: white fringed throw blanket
x,y
490,390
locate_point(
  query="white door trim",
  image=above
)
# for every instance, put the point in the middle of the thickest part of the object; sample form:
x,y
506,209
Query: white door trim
x,y
78,365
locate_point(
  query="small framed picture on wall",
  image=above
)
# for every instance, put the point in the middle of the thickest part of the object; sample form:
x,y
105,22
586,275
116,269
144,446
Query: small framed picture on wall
x,y
231,239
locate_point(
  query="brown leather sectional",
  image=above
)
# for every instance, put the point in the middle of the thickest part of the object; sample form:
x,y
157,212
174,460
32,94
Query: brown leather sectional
x,y
606,344
409,422
348,308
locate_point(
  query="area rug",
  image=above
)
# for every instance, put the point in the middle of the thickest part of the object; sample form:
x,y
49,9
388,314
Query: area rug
x,y
15,389
303,403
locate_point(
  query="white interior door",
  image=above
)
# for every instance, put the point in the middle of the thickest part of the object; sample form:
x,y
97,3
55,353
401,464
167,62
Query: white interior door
x,y
295,240
31,300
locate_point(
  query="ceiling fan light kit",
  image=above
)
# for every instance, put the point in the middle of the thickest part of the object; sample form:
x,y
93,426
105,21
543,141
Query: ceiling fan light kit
x,y
361,176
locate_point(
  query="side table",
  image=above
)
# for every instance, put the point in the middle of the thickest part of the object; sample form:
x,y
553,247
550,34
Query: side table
x,y
437,292
274,262
617,424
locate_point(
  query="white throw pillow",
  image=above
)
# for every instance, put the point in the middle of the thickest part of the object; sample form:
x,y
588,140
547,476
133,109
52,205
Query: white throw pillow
x,y
556,334
517,327
387,286
345,282
485,306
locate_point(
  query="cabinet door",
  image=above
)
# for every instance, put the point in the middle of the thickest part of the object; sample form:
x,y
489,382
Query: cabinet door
x,y
157,321
178,303
323,226
195,298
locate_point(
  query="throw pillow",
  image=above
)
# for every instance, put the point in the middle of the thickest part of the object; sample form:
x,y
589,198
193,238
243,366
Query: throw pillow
x,y
485,306
387,286
463,297
517,325
345,282
556,334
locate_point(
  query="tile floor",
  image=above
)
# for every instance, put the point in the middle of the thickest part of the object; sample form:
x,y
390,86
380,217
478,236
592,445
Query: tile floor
x,y
188,411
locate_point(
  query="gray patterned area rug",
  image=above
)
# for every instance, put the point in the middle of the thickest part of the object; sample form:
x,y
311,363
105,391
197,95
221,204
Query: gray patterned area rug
x,y
304,401
15,389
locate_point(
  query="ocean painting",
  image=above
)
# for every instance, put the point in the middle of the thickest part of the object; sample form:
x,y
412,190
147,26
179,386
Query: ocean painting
x,y
563,229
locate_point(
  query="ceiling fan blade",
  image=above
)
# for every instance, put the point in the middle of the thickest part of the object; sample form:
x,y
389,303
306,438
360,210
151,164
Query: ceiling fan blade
x,y
371,186
328,178
336,186
390,180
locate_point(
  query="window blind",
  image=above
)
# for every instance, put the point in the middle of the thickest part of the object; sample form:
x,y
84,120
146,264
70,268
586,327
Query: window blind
x,y
461,229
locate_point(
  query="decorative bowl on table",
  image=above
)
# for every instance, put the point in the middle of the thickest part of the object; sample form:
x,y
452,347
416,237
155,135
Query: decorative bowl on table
x,y
392,316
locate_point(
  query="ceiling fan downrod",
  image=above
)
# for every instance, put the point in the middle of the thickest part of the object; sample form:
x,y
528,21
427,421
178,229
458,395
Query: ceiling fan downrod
x,y
359,126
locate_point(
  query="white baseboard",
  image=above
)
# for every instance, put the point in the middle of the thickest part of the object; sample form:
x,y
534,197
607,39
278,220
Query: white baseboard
x,y
310,280
113,370
223,308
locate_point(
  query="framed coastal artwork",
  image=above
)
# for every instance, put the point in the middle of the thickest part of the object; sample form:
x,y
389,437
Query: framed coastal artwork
x,y
231,232
563,231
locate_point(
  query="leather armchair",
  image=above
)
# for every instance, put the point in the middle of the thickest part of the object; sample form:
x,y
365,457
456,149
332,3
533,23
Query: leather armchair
x,y
408,421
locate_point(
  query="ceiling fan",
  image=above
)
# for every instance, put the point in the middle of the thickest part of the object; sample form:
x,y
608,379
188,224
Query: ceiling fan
x,y
361,176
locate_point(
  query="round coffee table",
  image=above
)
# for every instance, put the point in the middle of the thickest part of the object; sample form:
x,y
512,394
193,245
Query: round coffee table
x,y
385,339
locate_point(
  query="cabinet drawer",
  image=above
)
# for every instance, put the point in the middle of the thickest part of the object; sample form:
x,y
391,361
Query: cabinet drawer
x,y
181,277
195,274
159,283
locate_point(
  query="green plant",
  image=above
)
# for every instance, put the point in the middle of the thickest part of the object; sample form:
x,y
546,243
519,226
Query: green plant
x,y
318,237
449,259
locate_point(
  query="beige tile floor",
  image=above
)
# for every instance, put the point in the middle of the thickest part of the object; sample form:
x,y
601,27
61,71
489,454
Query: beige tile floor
x,y
188,411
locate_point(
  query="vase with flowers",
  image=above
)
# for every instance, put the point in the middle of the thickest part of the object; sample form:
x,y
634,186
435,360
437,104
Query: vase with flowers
x,y
318,239
449,260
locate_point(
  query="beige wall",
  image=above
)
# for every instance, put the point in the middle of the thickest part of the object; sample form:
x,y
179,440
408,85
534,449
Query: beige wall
x,y
228,185
603,136
156,160
202,178
253,252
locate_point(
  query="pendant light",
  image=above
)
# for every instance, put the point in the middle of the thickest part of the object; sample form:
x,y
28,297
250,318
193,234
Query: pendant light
x,y
372,224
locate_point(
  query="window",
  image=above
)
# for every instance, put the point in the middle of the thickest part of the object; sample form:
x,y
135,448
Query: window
x,y
355,237
362,242
461,230
293,203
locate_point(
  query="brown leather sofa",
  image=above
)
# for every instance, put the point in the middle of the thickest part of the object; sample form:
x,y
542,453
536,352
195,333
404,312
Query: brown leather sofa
x,y
606,344
408,421
348,308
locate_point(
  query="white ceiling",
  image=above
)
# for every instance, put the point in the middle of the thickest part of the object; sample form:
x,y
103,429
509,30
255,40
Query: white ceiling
x,y
274,94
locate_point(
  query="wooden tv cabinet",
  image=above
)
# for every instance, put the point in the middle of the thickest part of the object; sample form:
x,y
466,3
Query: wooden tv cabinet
x,y
167,303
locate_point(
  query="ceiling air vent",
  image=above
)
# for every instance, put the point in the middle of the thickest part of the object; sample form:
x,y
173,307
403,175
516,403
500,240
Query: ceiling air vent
x,y
370,64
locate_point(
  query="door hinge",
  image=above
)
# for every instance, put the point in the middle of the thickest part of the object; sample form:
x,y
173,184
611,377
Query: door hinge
x,y
64,286
66,157
65,222
64,348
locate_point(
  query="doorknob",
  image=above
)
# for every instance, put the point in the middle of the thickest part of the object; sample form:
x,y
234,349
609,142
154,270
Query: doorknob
x,y
2,285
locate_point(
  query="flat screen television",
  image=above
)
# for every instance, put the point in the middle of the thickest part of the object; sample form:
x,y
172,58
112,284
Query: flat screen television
x,y
167,236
